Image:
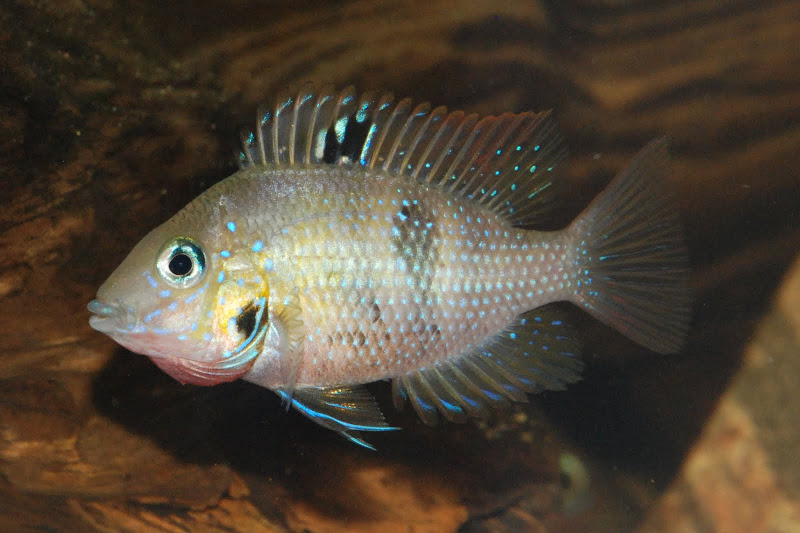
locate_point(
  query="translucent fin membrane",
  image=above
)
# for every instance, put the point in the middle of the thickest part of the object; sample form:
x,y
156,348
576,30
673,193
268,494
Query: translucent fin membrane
x,y
536,352
632,255
504,163
342,409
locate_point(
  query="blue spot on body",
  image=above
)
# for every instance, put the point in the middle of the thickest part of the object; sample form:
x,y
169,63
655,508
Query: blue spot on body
x,y
151,316
231,226
225,253
257,246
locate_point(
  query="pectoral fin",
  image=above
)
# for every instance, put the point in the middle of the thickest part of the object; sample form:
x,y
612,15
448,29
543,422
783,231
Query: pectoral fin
x,y
288,319
344,410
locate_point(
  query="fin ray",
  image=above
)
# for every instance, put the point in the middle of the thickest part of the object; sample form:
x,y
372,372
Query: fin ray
x,y
345,410
287,317
503,163
633,256
536,352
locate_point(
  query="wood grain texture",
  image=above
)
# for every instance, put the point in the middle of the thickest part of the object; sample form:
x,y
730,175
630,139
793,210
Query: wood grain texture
x,y
116,114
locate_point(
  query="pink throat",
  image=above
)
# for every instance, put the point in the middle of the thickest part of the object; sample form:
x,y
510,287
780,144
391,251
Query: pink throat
x,y
199,373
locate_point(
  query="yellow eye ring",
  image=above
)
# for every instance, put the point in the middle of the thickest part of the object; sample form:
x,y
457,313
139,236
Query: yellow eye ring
x,y
181,263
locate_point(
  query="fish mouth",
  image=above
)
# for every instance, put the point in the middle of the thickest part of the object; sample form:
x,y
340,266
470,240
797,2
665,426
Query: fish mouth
x,y
111,317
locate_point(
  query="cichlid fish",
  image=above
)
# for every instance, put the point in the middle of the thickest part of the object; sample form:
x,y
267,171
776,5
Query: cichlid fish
x,y
364,240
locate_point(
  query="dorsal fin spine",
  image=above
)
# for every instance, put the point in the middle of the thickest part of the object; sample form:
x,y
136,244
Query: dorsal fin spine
x,y
468,156
480,192
520,130
476,149
276,156
343,110
451,177
246,141
312,129
400,108
261,119
364,113
466,124
456,117
401,134
303,95
434,115
376,127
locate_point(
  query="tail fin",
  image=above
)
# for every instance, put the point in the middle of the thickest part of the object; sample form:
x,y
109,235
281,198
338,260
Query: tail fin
x,y
633,258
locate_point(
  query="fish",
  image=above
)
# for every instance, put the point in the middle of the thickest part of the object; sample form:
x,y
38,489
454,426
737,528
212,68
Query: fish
x,y
366,239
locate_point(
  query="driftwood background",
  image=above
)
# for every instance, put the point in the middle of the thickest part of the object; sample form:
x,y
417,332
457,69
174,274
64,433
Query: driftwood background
x,y
113,114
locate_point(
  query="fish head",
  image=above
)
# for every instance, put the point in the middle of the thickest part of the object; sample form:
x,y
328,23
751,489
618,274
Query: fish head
x,y
188,300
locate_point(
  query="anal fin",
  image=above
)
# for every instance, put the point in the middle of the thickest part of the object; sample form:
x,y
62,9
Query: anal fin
x,y
536,352
345,410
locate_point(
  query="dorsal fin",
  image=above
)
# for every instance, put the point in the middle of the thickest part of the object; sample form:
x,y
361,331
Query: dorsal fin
x,y
504,162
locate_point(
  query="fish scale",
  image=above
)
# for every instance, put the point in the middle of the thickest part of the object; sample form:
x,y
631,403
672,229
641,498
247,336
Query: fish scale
x,y
363,240
457,289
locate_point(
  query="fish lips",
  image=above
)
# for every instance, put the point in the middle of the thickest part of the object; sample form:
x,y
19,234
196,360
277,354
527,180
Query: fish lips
x,y
111,318
118,321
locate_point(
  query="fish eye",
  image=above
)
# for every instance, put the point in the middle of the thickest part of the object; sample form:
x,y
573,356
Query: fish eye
x,y
181,262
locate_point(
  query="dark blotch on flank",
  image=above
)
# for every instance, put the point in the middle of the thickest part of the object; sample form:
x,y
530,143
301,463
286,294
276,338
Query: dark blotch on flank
x,y
413,242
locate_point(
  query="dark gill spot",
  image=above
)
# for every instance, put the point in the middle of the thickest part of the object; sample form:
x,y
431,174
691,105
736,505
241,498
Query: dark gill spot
x,y
246,322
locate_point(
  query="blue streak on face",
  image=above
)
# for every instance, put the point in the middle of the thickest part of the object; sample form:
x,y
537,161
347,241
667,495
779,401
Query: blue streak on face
x,y
151,280
225,253
151,316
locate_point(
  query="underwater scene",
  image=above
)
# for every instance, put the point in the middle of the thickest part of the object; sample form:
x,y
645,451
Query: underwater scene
x,y
360,266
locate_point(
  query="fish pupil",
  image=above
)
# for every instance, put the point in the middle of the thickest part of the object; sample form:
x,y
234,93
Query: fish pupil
x,y
180,265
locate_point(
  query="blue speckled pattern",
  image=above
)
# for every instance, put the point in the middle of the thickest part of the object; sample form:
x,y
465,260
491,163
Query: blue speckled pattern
x,y
364,240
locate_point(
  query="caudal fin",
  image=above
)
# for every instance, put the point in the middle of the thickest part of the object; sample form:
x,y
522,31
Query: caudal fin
x,y
633,258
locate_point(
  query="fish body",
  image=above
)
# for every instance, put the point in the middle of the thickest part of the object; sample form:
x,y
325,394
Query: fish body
x,y
365,240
